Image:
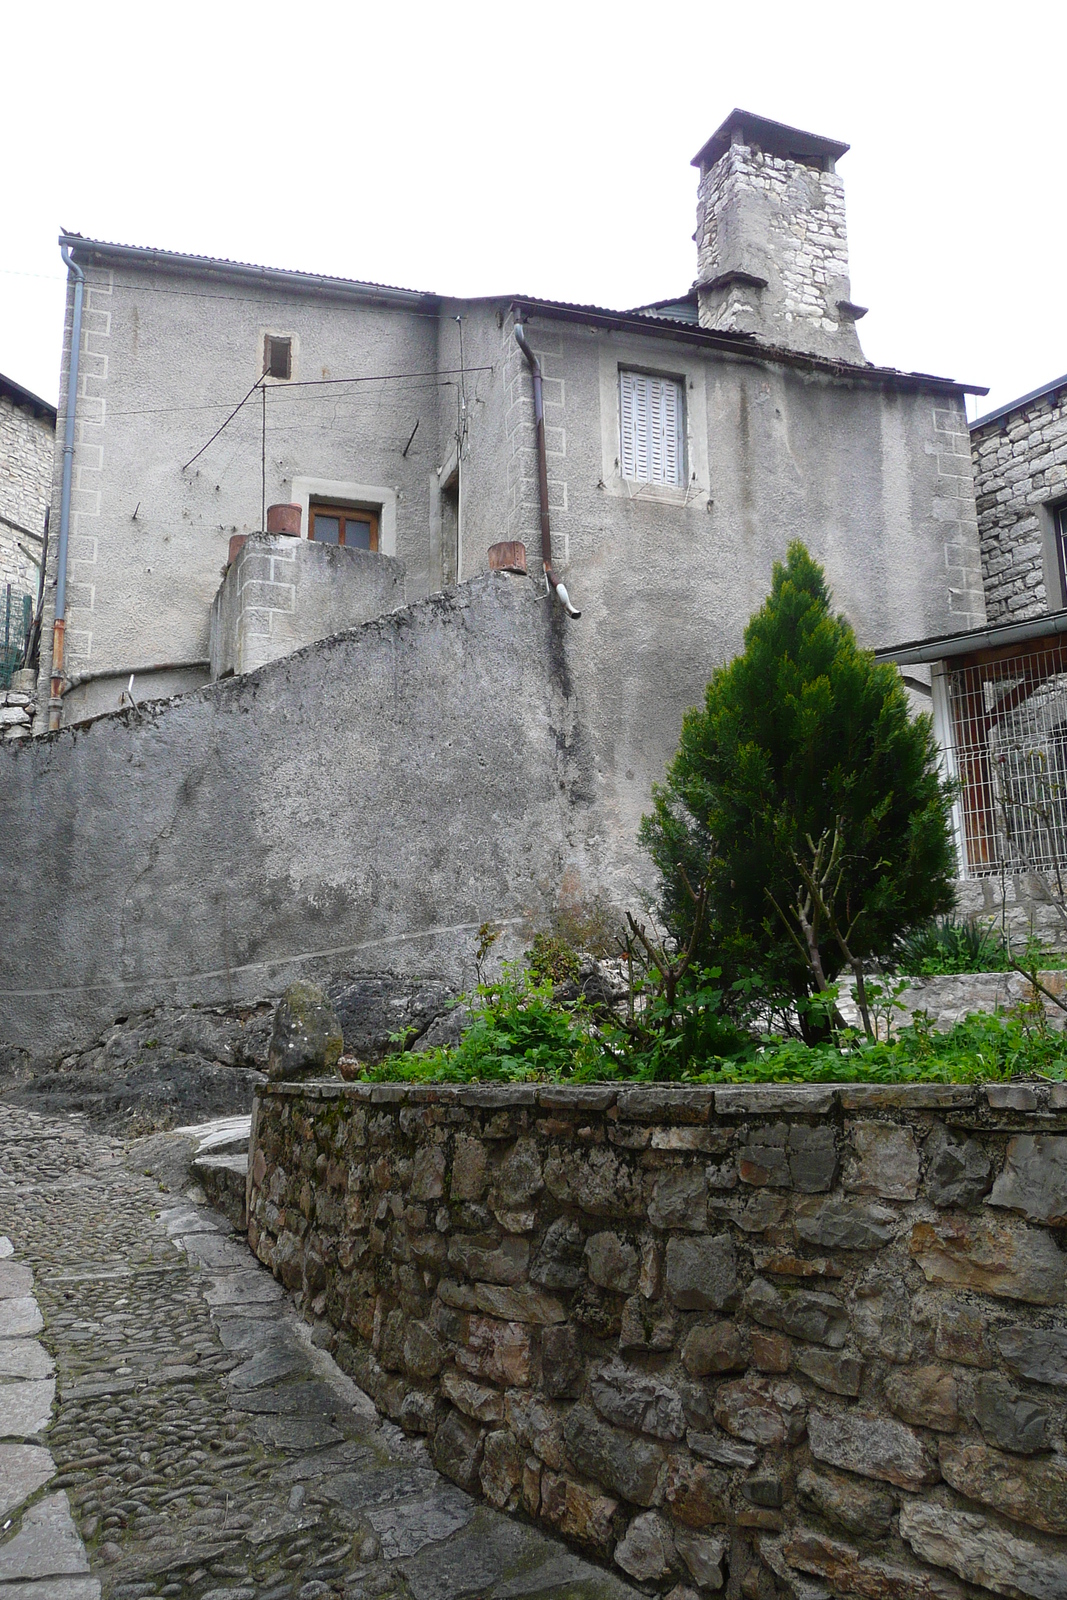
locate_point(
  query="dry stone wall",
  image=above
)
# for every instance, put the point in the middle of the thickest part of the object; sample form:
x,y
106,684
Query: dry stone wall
x,y
765,1341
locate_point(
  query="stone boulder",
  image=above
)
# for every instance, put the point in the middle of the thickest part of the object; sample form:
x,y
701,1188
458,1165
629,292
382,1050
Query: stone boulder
x,y
306,1041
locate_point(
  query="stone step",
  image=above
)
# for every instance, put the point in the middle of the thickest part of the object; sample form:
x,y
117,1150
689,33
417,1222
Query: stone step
x,y
222,1178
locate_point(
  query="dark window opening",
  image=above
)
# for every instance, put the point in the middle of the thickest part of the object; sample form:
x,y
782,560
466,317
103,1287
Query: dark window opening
x,y
450,528
1059,522
352,526
277,357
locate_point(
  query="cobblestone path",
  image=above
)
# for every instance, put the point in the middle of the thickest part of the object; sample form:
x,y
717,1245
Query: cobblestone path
x,y
207,1448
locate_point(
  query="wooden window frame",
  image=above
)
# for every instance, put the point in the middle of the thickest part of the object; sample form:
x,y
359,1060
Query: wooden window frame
x,y
344,514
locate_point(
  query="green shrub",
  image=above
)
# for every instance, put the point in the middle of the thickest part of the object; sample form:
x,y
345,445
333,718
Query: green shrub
x,y
804,802
951,947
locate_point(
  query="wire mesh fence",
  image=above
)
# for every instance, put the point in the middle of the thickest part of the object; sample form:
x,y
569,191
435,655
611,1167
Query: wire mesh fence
x,y
1008,720
16,618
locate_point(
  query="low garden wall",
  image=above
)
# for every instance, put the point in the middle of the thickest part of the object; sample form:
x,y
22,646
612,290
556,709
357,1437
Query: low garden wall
x,y
766,1340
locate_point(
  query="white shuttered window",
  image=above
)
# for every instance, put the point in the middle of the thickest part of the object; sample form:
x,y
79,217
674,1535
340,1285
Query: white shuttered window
x,y
651,413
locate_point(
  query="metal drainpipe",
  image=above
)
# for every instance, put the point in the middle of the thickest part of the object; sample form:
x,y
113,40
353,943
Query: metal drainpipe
x,y
542,475
59,626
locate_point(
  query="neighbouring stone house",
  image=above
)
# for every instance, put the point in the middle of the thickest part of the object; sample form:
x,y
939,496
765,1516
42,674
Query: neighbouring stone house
x,y
27,449
999,691
396,436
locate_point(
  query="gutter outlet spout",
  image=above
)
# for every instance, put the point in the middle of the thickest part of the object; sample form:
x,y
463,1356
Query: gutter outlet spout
x,y
55,700
534,365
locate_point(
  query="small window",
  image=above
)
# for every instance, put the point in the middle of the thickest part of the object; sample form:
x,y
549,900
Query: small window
x,y
277,357
353,526
652,419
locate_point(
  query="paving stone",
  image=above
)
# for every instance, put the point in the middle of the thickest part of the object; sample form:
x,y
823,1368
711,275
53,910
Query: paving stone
x,y
406,1528
24,1468
47,1543
19,1317
24,1358
26,1407
16,1280
984,1552
242,1289
873,1446
72,1587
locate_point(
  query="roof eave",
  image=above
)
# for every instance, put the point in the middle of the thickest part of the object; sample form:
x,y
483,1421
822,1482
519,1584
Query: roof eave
x,y
99,251
741,345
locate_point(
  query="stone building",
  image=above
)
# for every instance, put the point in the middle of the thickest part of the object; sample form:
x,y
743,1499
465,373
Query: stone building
x,y
27,448
1020,481
1000,690
655,461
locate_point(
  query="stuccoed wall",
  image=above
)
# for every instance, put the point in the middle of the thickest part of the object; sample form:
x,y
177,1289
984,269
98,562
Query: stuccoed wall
x,y
166,355
363,805
770,1340
281,593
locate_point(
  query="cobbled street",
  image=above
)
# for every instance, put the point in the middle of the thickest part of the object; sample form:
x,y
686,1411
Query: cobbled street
x,y
169,1426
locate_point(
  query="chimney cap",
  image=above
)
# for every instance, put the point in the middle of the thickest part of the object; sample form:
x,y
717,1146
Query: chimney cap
x,y
776,138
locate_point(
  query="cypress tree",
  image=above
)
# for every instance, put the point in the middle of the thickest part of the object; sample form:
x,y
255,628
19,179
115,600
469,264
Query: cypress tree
x,y
802,791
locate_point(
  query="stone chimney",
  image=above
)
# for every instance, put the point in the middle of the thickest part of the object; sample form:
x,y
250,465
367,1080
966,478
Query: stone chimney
x,y
772,255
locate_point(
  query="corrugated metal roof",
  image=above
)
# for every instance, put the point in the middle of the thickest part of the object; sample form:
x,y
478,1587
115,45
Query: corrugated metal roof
x,y
1023,400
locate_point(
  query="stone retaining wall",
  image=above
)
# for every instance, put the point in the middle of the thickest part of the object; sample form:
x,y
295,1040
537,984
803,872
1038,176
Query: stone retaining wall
x,y
773,1341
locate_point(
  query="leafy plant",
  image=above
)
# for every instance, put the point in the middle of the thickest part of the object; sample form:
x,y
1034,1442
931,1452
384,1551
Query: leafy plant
x,y
807,799
948,946
553,958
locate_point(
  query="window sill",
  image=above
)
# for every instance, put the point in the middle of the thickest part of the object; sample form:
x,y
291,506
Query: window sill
x,y
658,493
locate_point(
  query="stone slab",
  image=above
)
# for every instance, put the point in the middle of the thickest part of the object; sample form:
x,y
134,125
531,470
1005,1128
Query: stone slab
x,y
19,1317
47,1545
24,1468
406,1528
243,1288
74,1587
24,1358
26,1406
16,1281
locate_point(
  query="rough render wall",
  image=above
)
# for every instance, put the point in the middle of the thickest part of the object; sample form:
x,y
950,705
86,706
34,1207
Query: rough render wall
x,y
282,593
1020,467
364,804
27,444
785,222
163,362
766,1341
876,483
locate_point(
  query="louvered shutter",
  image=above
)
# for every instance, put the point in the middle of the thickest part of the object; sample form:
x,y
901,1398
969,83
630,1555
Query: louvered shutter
x,y
650,415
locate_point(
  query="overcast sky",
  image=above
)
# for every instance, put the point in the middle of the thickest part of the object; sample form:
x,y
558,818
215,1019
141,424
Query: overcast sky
x,y
544,149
